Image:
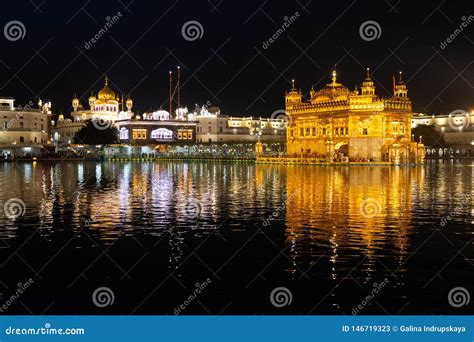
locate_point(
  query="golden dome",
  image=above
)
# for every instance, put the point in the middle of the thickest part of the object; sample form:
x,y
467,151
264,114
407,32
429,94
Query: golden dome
x,y
331,91
106,93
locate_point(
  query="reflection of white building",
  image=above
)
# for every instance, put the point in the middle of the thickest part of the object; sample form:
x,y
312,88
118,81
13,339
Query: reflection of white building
x,y
105,107
214,127
457,128
23,127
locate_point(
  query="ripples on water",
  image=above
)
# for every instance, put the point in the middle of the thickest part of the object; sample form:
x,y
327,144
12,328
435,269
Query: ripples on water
x,y
150,231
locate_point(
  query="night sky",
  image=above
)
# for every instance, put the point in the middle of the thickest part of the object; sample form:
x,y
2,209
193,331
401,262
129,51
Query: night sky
x,y
228,66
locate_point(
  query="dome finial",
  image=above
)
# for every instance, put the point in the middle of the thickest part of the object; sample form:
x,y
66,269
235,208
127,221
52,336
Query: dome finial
x,y
293,83
106,80
368,72
334,74
400,75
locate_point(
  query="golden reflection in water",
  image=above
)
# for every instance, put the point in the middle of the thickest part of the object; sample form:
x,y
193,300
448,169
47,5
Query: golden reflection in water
x,y
350,211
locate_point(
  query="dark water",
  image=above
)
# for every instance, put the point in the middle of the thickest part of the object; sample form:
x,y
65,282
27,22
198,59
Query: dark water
x,y
155,232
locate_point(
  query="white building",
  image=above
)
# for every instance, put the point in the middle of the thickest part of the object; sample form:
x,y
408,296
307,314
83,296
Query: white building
x,y
456,127
214,127
23,128
106,108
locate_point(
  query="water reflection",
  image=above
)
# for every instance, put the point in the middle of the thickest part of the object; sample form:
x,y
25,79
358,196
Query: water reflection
x,y
332,219
360,211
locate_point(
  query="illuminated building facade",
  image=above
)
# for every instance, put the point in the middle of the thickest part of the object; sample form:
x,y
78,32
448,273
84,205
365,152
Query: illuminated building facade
x,y
25,129
339,124
106,106
457,129
157,128
213,127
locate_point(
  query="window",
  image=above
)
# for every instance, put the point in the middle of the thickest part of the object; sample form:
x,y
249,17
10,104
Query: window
x,y
22,140
365,131
337,131
5,125
162,133
307,132
139,134
123,133
301,132
324,131
35,140
314,131
22,125
220,129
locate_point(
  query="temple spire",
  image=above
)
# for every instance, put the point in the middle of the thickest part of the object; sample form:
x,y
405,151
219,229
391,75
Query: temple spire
x,y
334,74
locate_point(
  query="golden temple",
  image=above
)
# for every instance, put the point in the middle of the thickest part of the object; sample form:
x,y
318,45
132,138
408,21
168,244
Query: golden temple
x,y
342,125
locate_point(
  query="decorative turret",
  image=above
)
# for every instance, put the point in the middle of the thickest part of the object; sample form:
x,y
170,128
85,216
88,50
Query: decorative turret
x,y
368,87
129,104
92,100
75,103
400,88
293,97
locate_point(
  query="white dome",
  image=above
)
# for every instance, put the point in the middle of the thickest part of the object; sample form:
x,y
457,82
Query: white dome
x,y
162,115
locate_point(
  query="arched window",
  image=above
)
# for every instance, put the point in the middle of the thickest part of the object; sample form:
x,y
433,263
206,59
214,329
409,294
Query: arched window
x,y
123,133
162,133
